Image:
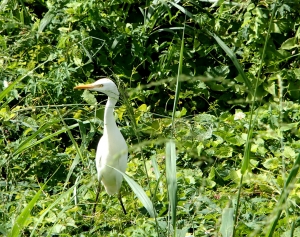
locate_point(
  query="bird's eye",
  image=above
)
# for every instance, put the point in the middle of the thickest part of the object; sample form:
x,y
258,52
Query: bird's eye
x,y
100,85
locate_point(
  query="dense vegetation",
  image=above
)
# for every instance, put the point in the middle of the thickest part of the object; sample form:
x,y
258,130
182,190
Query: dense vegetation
x,y
217,80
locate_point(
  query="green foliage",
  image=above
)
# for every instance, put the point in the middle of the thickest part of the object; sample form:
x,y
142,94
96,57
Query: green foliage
x,y
21,219
221,79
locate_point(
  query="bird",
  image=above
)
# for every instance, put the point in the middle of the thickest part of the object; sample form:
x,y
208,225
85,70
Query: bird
x,y
112,150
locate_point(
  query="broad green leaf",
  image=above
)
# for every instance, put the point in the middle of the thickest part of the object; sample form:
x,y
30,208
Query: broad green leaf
x,y
223,152
289,152
180,114
271,163
120,112
236,140
290,43
172,179
143,108
89,97
288,126
226,228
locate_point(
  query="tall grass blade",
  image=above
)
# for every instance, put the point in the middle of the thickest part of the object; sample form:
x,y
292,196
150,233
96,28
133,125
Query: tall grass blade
x,y
246,159
50,207
170,146
172,180
24,145
178,83
27,145
45,21
233,58
78,151
158,176
217,3
75,193
24,215
284,195
140,193
182,9
72,167
155,167
18,80
227,50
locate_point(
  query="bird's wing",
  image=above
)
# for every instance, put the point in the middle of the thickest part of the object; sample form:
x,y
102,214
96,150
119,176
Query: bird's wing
x,y
99,155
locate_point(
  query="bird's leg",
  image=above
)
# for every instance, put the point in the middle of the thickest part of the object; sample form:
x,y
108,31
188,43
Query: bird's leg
x,y
97,197
120,199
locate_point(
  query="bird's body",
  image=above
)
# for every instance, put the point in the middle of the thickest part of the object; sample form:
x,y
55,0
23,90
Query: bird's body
x,y
112,150
114,155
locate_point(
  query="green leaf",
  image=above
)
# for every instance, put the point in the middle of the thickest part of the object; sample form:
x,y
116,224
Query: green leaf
x,y
223,152
181,113
172,179
89,97
271,163
288,126
45,21
236,140
289,152
290,43
182,9
226,228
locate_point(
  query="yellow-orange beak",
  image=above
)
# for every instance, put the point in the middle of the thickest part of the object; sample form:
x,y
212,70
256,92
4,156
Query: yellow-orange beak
x,y
88,86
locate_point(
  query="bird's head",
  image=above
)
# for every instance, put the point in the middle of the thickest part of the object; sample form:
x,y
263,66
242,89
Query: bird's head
x,y
104,85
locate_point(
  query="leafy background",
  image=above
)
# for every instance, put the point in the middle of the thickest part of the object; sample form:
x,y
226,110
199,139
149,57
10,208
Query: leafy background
x,y
236,123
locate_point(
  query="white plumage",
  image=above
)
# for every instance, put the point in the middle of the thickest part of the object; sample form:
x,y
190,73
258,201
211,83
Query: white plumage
x,y
112,150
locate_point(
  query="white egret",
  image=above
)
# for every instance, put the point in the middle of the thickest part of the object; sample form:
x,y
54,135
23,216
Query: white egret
x,y
112,150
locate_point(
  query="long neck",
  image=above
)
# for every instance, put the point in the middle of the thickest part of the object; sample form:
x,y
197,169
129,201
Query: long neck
x,y
109,119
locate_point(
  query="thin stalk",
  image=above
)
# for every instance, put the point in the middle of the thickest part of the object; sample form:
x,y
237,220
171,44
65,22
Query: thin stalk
x,y
178,82
246,159
237,206
135,129
78,151
171,150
